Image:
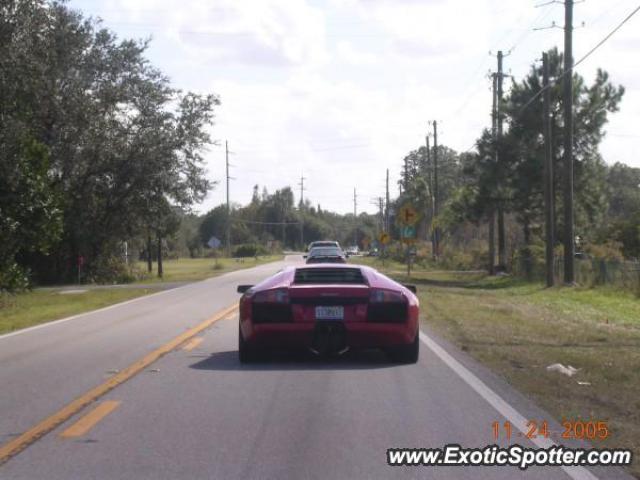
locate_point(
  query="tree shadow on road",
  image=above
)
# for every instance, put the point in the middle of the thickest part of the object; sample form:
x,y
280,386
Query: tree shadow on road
x,y
296,360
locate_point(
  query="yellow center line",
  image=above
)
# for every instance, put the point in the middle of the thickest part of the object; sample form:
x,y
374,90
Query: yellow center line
x,y
21,442
191,344
87,422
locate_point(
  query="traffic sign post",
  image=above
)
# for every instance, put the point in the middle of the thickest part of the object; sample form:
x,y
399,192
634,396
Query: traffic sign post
x,y
408,218
384,238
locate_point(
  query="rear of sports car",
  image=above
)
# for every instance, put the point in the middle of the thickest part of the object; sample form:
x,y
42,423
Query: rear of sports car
x,y
329,309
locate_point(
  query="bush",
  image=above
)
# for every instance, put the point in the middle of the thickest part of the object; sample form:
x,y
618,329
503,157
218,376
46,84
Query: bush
x,y
468,259
7,299
14,278
213,252
610,250
249,250
529,261
112,269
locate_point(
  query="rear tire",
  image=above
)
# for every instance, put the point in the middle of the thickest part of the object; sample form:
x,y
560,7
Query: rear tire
x,y
246,353
406,353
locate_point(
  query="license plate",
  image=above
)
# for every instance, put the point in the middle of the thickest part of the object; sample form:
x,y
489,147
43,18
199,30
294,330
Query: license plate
x,y
330,313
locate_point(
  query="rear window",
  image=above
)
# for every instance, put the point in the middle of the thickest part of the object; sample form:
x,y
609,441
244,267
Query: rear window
x,y
325,252
329,275
324,244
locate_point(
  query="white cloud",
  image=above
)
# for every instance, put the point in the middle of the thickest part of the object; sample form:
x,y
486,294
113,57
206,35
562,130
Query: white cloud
x,y
268,32
342,89
351,55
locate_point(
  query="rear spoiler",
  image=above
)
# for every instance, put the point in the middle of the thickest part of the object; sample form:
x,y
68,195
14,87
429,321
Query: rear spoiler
x,y
410,287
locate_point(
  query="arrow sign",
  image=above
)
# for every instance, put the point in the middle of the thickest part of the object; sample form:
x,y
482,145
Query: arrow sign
x,y
408,215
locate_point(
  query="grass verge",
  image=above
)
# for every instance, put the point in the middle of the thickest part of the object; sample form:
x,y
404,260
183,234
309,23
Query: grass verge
x,y
32,308
193,269
518,329
39,306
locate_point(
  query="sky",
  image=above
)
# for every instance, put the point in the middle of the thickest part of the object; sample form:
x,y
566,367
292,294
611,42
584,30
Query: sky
x,y
339,91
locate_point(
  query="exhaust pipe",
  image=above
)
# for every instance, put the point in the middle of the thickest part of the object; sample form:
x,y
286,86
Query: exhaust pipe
x,y
329,338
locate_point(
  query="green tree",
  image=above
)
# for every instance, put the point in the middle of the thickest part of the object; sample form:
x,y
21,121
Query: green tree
x,y
123,147
524,153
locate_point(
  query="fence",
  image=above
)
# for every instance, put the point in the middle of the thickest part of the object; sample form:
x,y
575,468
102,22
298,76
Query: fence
x,y
596,271
590,272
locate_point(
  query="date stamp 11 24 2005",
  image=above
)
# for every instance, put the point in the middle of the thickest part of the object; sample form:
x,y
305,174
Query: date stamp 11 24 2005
x,y
572,430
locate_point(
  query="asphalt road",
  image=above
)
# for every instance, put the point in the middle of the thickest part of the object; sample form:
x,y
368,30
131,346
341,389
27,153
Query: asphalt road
x,y
196,413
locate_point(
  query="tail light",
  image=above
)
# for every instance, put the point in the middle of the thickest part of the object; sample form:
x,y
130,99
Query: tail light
x,y
387,306
271,306
385,296
279,295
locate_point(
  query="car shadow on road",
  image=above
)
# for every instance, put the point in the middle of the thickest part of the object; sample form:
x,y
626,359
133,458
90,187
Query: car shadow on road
x,y
283,360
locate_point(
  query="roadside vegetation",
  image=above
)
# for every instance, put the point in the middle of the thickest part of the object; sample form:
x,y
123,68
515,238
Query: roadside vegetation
x,y
193,269
110,172
518,328
27,308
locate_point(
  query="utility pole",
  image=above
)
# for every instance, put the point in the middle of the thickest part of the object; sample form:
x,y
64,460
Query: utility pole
x,y
548,173
502,254
302,179
430,183
226,147
386,212
406,173
436,233
569,250
381,206
492,220
355,217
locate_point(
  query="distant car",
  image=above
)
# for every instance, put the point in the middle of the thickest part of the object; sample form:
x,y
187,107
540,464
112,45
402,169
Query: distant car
x,y
326,255
353,250
329,309
323,243
373,252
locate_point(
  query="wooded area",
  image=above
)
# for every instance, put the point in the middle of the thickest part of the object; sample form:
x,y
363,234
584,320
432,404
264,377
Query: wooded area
x,y
101,162
96,146
505,176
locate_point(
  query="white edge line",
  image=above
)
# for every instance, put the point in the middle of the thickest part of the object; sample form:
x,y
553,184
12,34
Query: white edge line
x,y
497,402
120,304
90,312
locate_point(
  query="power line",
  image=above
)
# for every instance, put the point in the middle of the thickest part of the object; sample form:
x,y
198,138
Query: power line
x,y
544,14
239,220
299,150
519,40
582,59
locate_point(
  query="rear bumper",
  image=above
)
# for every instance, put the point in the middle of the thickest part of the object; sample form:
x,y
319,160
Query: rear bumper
x,y
358,334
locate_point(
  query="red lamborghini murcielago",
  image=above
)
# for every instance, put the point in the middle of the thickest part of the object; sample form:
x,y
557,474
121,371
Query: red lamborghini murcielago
x,y
329,309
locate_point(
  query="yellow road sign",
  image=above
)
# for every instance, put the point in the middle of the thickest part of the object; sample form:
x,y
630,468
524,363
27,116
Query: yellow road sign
x,y
408,215
384,238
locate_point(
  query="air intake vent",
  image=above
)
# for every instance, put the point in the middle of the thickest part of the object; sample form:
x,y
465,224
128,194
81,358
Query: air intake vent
x,y
328,276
